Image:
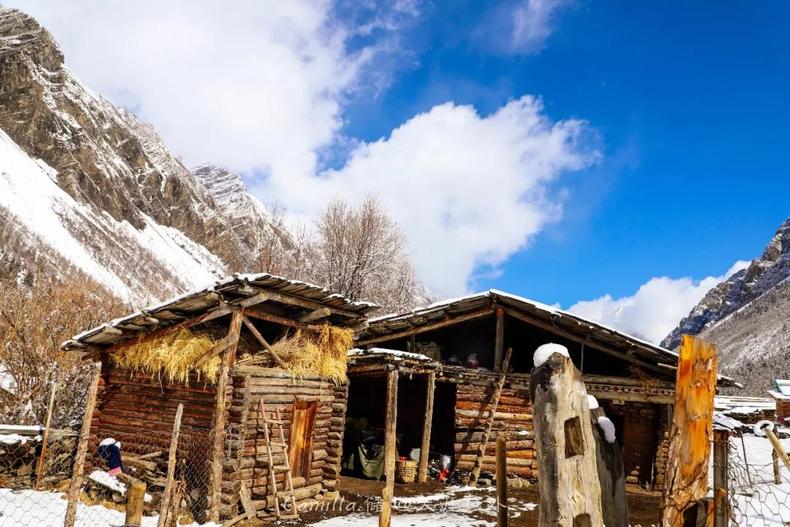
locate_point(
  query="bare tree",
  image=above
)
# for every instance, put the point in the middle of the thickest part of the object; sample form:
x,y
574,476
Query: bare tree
x,y
360,253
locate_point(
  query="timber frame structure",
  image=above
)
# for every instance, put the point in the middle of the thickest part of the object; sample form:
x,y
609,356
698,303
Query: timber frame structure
x,y
244,314
443,407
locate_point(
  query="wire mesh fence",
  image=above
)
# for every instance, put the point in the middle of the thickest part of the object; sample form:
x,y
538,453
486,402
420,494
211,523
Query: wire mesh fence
x,y
35,489
758,481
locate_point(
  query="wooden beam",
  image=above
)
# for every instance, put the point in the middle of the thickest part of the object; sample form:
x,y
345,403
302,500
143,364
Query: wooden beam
x,y
307,304
75,487
390,451
167,496
422,469
220,346
581,340
43,456
428,327
263,342
277,319
499,339
317,314
253,300
218,427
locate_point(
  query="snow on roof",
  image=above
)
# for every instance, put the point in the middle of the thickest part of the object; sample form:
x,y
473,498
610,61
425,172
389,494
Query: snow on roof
x,y
782,388
389,353
739,405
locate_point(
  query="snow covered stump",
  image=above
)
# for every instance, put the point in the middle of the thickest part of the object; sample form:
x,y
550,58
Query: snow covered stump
x,y
570,493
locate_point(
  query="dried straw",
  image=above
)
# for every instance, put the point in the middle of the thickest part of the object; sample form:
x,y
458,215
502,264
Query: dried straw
x,y
323,353
171,357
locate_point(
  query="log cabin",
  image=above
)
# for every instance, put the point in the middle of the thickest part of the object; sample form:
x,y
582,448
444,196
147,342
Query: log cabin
x,y
448,358
222,453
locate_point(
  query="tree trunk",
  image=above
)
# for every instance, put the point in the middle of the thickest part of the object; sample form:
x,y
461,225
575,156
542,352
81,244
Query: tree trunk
x,y
611,476
570,494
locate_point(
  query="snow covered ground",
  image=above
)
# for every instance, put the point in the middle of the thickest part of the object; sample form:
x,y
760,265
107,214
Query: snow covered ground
x,y
28,508
454,507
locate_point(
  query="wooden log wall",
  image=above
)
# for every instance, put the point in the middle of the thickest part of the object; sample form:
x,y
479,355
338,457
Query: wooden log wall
x,y
246,460
513,418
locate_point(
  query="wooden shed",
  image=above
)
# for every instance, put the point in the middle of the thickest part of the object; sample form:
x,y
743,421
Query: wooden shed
x,y
458,347
233,331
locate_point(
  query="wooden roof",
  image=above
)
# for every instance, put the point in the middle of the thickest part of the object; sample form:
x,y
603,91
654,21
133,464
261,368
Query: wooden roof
x,y
292,300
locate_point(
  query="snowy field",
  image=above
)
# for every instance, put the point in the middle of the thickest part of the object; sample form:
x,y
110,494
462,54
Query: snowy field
x,y
28,508
454,507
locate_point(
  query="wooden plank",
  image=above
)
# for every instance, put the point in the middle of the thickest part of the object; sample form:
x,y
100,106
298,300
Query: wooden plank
x,y
721,444
692,430
164,507
218,427
390,451
317,314
499,339
219,311
422,469
277,319
246,502
308,304
75,487
44,440
450,321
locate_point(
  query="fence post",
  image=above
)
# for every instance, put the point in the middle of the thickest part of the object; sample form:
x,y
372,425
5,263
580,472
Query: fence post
x,y
390,451
777,469
44,440
171,468
135,501
82,448
501,481
721,455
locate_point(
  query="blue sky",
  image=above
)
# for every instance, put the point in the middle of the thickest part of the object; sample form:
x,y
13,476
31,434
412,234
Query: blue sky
x,y
691,102
615,158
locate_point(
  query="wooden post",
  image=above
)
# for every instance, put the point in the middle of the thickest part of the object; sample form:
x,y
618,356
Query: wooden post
x,y
692,431
422,469
611,475
780,453
82,448
777,468
501,481
721,452
218,427
499,340
43,456
135,500
164,507
570,493
390,450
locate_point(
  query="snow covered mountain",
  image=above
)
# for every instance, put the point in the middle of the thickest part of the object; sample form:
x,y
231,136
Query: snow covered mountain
x,y
748,317
85,185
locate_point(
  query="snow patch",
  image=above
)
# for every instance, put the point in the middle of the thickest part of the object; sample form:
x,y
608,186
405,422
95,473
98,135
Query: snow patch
x,y
607,427
395,354
592,402
545,351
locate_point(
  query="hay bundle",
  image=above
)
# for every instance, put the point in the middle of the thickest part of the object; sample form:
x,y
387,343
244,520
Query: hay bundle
x,y
323,352
171,357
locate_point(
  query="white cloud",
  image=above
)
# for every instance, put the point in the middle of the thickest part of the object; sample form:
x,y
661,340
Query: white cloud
x,y
468,190
261,88
656,307
533,23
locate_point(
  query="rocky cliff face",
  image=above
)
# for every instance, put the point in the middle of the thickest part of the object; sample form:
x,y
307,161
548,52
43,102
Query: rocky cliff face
x,y
109,181
748,317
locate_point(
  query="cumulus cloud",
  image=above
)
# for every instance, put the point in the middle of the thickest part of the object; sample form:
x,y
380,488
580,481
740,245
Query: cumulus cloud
x,y
261,88
656,307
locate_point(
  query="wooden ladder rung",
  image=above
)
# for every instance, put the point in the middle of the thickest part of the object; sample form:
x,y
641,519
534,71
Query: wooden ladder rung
x,y
282,468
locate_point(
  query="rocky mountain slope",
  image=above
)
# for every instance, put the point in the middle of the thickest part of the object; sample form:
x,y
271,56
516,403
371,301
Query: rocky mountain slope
x,y
748,317
86,185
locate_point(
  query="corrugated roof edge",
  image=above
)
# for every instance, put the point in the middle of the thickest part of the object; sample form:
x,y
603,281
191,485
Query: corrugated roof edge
x,y
240,279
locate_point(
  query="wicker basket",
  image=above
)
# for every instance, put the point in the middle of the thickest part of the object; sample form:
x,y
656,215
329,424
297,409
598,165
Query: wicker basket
x,y
405,471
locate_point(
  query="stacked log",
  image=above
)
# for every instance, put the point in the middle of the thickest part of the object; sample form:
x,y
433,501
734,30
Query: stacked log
x,y
513,418
247,461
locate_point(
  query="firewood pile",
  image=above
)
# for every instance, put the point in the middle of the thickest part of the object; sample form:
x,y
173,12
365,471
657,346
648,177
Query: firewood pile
x,y
19,455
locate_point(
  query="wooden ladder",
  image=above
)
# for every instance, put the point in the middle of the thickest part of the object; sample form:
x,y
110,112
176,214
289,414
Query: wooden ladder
x,y
500,383
285,509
